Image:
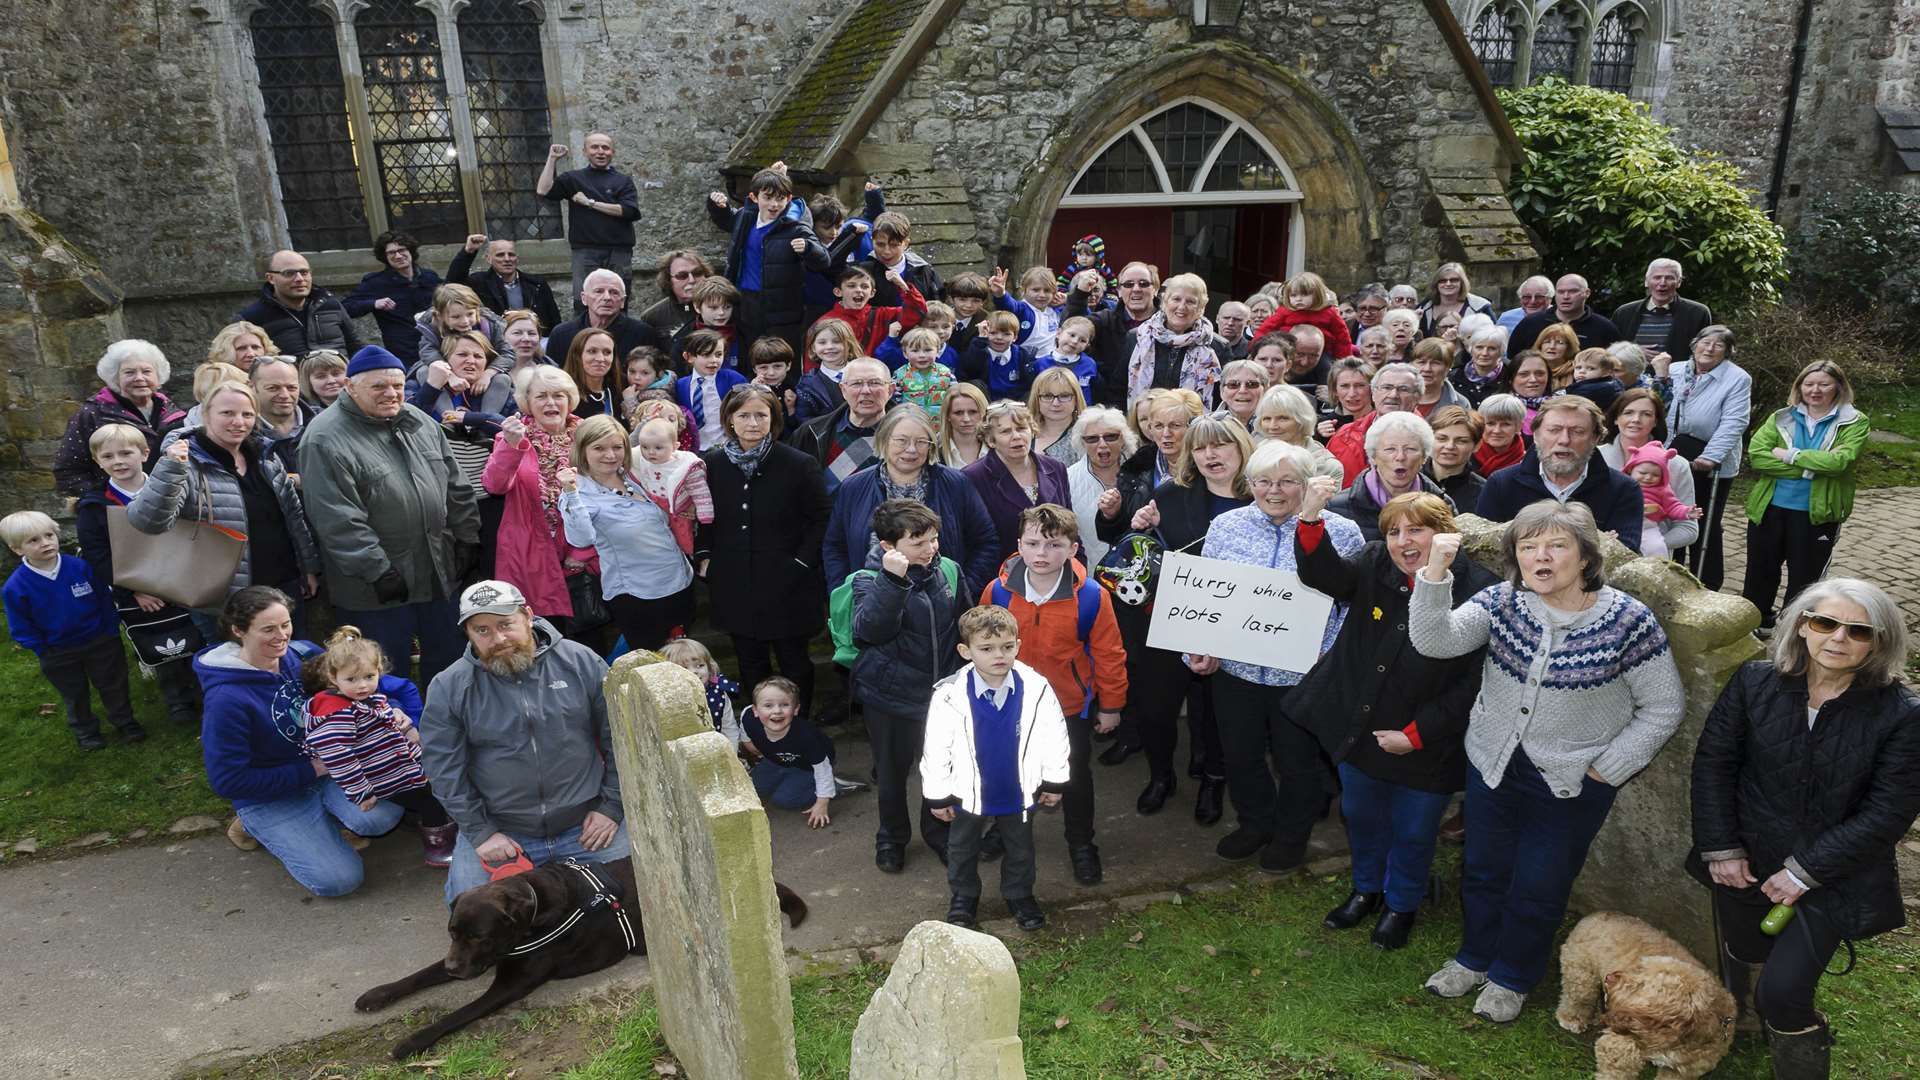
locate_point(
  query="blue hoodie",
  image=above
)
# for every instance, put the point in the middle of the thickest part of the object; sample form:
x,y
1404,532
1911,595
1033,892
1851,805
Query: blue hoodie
x,y
250,728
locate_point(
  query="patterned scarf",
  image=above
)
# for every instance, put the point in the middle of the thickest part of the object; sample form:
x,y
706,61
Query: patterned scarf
x,y
1199,365
747,461
551,452
917,491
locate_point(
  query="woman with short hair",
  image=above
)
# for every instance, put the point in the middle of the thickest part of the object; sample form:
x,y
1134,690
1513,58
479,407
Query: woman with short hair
x,y
1106,443
1287,414
1456,432
1450,294
1242,382
521,330
1584,692
1709,401
905,469
397,292
471,403
1485,371
132,372
1503,417
531,550
1347,397
1010,478
1398,446
1176,346
1806,777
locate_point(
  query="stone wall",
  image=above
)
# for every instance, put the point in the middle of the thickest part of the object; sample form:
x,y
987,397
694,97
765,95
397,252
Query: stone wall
x,y
1861,55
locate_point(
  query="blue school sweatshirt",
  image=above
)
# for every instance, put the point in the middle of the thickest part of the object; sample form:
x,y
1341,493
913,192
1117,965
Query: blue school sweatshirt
x,y
60,612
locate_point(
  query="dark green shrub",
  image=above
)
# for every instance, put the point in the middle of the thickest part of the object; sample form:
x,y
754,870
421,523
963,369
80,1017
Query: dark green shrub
x,y
1774,342
1859,252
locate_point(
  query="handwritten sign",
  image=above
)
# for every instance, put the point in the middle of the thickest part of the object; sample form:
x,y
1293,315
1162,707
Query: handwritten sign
x,y
1234,611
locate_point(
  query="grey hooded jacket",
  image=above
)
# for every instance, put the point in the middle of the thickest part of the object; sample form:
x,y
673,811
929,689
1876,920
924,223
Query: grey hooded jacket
x,y
530,754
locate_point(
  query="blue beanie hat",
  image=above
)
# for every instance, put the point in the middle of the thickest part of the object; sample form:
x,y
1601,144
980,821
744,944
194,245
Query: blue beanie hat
x,y
373,358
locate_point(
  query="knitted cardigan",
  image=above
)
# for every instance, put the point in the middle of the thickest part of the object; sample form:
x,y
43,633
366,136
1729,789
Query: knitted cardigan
x,y
1607,696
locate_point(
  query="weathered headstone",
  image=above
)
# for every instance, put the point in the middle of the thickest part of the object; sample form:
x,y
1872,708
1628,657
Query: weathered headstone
x,y
703,861
949,1010
1635,864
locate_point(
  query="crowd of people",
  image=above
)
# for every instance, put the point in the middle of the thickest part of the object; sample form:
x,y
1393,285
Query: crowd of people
x,y
960,481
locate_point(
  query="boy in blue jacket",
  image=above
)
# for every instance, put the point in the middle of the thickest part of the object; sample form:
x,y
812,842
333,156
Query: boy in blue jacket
x,y
772,248
995,362
59,612
846,240
1039,318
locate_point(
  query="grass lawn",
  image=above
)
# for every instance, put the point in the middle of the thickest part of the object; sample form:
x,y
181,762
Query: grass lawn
x,y
1237,984
1894,409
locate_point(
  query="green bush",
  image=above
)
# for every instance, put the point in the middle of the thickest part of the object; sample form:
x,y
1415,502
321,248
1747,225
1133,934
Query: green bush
x,y
1773,343
1860,252
1609,191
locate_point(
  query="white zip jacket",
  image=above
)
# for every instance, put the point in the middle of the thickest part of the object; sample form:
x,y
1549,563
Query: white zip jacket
x,y
949,769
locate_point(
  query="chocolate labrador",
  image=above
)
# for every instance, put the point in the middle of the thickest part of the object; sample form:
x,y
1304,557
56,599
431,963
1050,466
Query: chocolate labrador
x,y
558,921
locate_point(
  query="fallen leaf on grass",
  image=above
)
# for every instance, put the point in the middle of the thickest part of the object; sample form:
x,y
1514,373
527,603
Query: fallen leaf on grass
x,y
1159,1064
1060,1021
1254,974
1210,950
665,1068
47,709
1185,1024
1183,989
1207,1045
1138,936
1107,1006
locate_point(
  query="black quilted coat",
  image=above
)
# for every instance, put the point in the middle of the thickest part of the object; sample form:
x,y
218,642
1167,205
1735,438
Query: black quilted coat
x,y
1832,801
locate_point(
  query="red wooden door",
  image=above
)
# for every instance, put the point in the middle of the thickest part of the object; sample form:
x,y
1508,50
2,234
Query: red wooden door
x,y
1132,233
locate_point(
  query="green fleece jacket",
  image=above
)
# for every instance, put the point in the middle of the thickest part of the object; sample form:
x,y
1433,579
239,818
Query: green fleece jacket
x,y
1830,467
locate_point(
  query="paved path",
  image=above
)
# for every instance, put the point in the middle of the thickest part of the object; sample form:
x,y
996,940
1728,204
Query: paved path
x,y
1880,542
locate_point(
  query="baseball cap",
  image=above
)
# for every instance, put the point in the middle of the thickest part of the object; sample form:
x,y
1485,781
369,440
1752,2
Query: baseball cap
x,y
490,598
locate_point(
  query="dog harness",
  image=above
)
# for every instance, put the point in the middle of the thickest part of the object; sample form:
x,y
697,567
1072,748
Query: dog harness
x,y
600,896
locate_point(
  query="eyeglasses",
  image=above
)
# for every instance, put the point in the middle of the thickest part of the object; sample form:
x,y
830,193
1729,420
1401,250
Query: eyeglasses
x,y
391,252
1136,284
301,272
1371,309
1161,427
1825,624
682,275
1101,437
1395,388
1056,399
1267,483
1239,384
864,384
908,442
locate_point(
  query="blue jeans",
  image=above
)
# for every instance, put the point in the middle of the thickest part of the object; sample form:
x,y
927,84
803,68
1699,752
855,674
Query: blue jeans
x,y
788,789
467,871
303,832
1391,829
1524,848
434,622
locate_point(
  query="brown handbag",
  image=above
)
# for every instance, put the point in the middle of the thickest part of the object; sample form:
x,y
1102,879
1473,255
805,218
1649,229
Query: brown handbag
x,y
191,564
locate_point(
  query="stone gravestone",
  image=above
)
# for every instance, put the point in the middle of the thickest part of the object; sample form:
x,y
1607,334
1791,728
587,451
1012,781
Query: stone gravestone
x,y
950,1010
1635,864
703,861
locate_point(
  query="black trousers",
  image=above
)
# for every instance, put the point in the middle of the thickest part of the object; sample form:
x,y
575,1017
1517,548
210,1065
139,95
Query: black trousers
x,y
1795,960
1076,804
1281,800
750,321
756,663
896,740
1017,872
101,665
179,688
646,624
421,802
1159,682
1788,536
1703,556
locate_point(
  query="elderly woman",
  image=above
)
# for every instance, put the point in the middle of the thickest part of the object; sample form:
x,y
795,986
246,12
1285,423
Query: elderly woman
x,y
323,374
1456,431
283,797
1709,401
1375,346
239,343
1347,396
1634,419
1055,402
1398,447
1286,413
225,468
1209,479
1451,294
1176,346
1276,812
1558,345
760,556
471,402
1805,455
1806,777
644,576
1010,478
1484,373
1501,444
596,374
1402,331
1396,388
1582,696
903,442
531,550
1393,721
1241,384
132,372
1106,441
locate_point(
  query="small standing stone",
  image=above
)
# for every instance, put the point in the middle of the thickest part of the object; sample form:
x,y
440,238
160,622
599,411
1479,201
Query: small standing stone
x,y
950,1010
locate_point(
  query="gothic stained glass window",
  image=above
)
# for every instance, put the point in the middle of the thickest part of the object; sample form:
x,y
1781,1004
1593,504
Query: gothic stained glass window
x,y
306,114
1123,170
1556,45
1615,42
507,85
413,138
1494,44
1243,166
1183,135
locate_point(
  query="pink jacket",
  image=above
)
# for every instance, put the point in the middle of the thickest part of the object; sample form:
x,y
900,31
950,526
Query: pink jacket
x,y
526,552
1327,320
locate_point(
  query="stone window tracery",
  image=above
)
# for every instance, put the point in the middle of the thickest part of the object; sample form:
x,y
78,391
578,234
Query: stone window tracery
x,y
1188,152
1616,45
1496,44
305,105
1556,45
1606,44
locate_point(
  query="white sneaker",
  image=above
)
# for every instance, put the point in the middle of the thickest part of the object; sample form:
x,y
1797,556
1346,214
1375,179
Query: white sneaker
x,y
1498,1004
1454,980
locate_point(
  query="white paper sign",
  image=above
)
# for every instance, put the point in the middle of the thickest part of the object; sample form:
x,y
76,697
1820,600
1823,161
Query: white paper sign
x,y
1234,611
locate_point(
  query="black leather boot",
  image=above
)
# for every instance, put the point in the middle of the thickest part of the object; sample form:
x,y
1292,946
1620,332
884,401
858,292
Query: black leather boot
x,y
1357,906
1740,978
1801,1055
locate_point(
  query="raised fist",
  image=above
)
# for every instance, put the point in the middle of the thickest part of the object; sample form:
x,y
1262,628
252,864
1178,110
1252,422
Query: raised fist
x,y
474,241
1440,556
558,151
567,477
515,429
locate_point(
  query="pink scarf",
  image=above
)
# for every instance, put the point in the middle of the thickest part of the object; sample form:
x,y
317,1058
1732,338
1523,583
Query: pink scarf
x,y
1199,364
551,452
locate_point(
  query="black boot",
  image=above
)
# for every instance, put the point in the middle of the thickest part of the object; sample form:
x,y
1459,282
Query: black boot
x,y
1119,752
1207,804
1154,796
1801,1055
964,911
1356,907
1740,978
1393,929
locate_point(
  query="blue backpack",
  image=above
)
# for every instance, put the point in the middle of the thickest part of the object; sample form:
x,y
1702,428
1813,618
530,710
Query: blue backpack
x,y
1087,599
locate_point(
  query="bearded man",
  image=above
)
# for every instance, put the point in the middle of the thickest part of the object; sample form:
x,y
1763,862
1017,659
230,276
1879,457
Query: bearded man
x,y
516,742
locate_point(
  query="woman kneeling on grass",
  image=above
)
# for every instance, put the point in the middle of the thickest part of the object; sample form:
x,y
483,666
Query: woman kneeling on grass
x,y
1578,692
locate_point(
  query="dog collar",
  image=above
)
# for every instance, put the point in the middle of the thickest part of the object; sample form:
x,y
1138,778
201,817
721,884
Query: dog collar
x,y
599,895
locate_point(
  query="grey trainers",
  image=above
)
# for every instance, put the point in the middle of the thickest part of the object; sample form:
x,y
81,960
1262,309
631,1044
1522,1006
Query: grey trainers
x,y
1498,1004
1453,980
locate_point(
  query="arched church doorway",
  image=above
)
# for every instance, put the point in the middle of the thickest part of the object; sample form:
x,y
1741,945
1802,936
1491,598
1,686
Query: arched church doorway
x,y
1190,188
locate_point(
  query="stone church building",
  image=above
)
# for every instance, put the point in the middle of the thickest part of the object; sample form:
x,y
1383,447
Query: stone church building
x,y
156,153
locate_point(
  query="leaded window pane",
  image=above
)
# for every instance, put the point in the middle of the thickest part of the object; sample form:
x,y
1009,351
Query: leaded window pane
x,y
1183,135
1556,44
413,147
507,86
1243,166
1123,170
306,114
1494,44
1615,42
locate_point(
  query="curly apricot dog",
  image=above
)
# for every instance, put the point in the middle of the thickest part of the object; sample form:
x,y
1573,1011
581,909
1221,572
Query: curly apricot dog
x,y
1657,1003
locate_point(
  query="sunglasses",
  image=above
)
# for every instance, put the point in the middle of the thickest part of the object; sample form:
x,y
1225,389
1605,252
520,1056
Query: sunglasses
x,y
1824,625
1101,437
